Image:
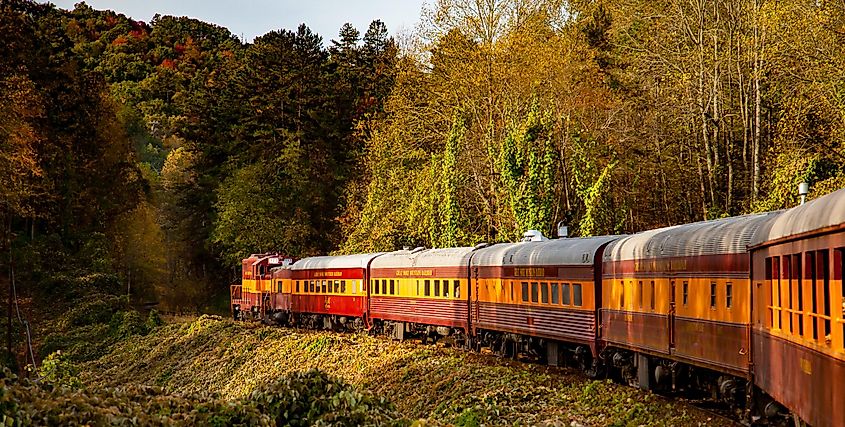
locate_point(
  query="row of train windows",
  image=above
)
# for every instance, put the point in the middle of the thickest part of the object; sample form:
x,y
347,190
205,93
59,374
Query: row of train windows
x,y
684,293
436,287
554,293
322,286
793,273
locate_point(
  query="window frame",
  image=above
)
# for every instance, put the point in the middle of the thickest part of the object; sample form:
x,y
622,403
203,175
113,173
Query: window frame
x,y
577,295
565,294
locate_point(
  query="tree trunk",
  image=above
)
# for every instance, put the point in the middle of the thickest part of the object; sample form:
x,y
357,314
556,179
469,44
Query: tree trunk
x,y
755,142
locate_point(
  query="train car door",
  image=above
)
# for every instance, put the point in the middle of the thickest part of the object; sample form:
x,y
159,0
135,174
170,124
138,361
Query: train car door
x,y
672,317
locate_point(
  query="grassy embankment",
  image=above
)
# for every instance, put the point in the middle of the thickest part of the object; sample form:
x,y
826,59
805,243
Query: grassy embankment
x,y
423,382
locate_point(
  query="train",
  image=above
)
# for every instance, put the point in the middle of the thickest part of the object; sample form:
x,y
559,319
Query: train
x,y
747,310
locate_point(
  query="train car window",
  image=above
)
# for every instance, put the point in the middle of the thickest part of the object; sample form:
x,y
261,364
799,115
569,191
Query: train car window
x,y
823,259
297,286
313,286
729,288
776,313
686,293
576,294
672,301
427,288
555,294
446,288
513,298
544,292
838,266
534,292
325,288
437,288
712,294
652,295
524,291
787,277
392,287
810,269
640,292
337,286
261,270
566,297
343,286
797,273
622,295
457,284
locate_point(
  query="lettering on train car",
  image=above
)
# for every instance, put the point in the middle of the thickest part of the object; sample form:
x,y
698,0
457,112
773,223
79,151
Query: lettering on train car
x,y
661,265
529,272
414,273
328,274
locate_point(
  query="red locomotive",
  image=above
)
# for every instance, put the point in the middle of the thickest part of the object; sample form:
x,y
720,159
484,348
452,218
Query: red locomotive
x,y
749,309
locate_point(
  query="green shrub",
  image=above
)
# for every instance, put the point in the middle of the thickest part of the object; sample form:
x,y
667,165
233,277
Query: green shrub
x,y
153,320
125,324
314,398
57,370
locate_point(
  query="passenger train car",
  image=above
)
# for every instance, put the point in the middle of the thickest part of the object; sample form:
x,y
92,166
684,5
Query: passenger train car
x,y
421,293
798,314
539,296
750,309
682,294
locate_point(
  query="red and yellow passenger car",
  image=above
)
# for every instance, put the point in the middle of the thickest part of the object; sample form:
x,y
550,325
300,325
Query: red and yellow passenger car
x,y
538,296
330,291
421,292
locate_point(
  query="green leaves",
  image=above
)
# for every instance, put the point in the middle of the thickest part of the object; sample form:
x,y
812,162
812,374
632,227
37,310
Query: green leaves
x,y
527,164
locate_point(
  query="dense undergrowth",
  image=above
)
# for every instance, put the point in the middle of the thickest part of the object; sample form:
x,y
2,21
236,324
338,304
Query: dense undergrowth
x,y
298,399
439,385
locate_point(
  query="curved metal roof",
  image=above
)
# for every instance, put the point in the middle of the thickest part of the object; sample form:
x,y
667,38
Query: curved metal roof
x,y
340,261
719,236
568,251
826,211
445,257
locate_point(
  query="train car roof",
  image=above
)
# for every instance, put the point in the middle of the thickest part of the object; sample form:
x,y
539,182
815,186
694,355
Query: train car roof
x,y
824,212
719,236
339,261
443,257
567,251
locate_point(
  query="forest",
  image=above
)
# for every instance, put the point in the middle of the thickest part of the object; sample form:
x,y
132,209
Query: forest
x,y
153,156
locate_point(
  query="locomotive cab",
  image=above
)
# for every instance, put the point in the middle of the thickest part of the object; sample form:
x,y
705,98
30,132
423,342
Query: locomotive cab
x,y
256,292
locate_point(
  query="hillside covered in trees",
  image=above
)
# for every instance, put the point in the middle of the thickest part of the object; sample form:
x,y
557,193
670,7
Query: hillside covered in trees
x,y
154,156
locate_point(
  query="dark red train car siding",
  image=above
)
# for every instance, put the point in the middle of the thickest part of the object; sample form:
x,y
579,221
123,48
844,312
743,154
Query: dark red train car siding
x,y
451,313
552,323
631,329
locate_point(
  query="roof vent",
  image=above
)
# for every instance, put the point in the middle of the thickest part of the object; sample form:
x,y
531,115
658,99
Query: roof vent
x,y
481,245
418,249
562,230
533,236
803,191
